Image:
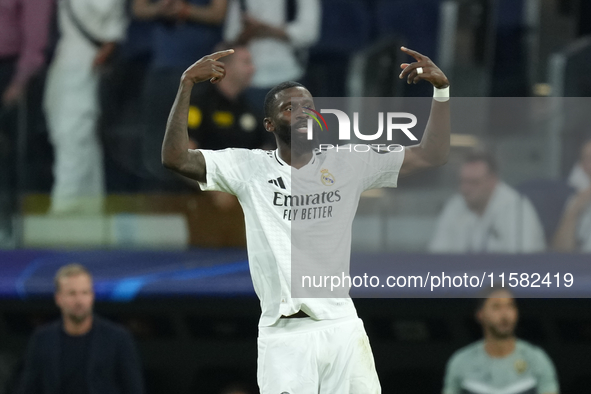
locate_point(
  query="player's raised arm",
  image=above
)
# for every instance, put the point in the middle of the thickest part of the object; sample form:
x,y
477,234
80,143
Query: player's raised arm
x,y
176,154
433,149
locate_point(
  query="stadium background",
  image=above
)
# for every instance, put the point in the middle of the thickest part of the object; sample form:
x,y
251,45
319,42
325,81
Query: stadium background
x,y
186,297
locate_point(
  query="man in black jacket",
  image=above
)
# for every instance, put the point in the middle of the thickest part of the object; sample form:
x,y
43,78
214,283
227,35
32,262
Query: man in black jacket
x,y
81,353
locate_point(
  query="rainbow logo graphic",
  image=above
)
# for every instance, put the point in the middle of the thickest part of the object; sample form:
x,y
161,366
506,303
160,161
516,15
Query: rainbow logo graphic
x,y
315,115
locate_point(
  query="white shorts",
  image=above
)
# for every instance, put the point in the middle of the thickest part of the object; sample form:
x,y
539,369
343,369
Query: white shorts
x,y
305,356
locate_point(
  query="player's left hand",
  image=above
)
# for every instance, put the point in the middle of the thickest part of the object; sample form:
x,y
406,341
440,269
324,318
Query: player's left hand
x,y
431,72
104,54
13,93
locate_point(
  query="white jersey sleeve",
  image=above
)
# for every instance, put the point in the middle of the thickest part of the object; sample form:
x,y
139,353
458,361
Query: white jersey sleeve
x,y
227,170
379,169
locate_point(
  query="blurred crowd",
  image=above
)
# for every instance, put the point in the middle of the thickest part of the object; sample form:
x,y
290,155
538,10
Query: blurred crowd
x,y
95,44
87,86
489,216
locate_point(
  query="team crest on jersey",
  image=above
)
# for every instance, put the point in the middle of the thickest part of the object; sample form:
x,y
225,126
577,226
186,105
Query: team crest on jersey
x,y
520,366
327,178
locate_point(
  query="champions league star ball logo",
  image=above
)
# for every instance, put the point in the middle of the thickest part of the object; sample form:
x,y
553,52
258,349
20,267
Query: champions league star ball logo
x,y
327,178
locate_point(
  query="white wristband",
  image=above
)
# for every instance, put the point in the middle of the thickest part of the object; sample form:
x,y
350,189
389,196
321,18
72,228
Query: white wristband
x,y
441,95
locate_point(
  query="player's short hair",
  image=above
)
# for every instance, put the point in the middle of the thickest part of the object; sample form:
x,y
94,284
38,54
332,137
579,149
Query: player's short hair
x,y
271,97
67,271
487,292
480,156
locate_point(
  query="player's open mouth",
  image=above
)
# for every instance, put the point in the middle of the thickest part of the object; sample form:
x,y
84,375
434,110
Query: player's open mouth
x,y
300,128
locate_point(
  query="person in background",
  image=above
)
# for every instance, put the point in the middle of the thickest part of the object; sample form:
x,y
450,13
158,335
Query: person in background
x,y
183,31
574,231
81,352
89,32
500,363
220,115
578,178
487,216
278,34
24,31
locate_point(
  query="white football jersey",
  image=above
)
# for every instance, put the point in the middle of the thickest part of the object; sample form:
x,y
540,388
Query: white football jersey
x,y
299,216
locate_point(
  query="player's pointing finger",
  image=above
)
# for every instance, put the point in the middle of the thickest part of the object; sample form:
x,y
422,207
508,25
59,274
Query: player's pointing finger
x,y
220,54
412,53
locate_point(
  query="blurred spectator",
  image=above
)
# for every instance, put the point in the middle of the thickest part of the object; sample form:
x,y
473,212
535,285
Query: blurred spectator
x,y
24,28
80,353
501,363
578,178
220,116
184,31
574,231
278,33
89,31
488,215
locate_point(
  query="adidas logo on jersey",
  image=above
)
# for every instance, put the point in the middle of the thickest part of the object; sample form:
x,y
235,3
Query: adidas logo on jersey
x,y
278,182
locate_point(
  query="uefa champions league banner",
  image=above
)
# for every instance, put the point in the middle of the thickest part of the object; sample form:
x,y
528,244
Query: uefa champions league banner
x,y
344,148
124,275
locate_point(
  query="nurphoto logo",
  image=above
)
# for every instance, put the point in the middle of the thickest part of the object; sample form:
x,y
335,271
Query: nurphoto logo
x,y
345,124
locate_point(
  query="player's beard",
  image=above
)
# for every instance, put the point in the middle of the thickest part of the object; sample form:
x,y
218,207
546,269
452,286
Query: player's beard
x,y
297,142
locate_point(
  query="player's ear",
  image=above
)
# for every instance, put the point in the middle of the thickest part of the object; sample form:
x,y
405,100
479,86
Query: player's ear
x,y
269,126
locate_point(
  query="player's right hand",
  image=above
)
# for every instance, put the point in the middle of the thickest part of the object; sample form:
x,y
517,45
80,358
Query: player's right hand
x,y
430,73
208,67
